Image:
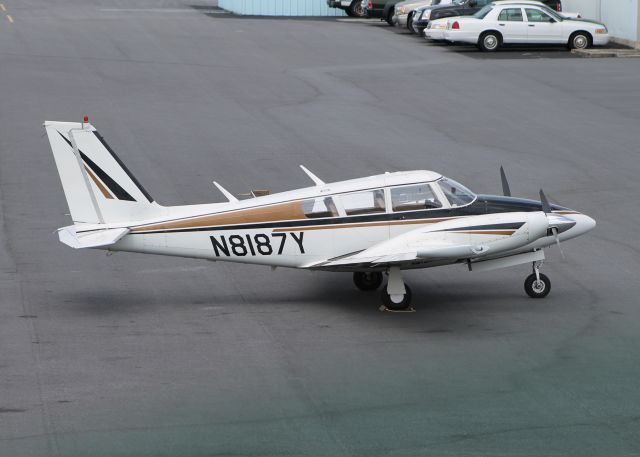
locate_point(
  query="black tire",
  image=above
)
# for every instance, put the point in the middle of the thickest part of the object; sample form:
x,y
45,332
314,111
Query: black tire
x,y
535,289
355,9
490,41
410,23
367,280
389,17
397,306
579,40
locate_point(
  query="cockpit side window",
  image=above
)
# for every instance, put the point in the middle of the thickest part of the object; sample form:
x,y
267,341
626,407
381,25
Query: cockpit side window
x,y
456,193
369,202
319,207
414,197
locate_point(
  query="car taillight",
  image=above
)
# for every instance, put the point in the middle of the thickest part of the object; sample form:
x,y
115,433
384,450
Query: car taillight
x,y
370,5
559,6
455,25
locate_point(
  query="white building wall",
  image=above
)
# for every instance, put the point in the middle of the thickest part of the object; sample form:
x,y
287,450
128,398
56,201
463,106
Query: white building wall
x,y
620,16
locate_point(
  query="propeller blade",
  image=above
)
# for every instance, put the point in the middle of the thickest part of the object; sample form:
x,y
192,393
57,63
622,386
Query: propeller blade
x,y
506,191
555,235
545,203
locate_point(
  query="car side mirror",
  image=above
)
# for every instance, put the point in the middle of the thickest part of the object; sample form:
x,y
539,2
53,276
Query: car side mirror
x,y
552,20
473,3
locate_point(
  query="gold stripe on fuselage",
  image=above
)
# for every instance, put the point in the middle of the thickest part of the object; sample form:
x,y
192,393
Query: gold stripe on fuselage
x,y
273,213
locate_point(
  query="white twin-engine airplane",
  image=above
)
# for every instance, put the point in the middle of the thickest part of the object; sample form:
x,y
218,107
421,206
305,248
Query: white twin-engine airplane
x,y
384,223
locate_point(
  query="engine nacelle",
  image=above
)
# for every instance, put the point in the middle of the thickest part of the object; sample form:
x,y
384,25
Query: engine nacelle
x,y
478,236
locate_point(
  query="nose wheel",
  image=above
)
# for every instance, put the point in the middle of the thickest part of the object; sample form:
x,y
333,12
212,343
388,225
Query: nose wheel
x,y
537,285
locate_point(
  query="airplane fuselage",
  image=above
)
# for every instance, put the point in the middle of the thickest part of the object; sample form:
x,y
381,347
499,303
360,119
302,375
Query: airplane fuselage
x,y
272,235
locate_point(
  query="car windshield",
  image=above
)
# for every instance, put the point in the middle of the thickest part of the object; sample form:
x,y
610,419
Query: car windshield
x,y
456,193
483,12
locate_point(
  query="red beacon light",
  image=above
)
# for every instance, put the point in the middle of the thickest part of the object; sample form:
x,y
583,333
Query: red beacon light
x,y
85,120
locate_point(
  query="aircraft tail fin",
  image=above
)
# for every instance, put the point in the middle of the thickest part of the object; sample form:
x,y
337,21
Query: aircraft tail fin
x,y
98,187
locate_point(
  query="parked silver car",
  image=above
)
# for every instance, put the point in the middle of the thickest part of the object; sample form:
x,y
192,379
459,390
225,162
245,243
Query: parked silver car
x,y
404,11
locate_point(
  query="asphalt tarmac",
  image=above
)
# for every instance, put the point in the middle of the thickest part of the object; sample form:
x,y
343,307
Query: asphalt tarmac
x,y
132,355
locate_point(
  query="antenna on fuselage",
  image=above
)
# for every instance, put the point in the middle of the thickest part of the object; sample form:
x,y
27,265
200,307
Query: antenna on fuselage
x,y
314,178
225,192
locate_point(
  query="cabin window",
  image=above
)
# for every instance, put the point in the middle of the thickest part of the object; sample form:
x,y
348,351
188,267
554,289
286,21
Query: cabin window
x,y
456,193
319,207
369,202
511,14
414,198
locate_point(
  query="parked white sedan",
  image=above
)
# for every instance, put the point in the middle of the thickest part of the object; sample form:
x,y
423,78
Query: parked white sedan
x,y
497,24
436,29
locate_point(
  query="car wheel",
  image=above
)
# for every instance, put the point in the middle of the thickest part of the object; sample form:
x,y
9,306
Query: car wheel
x,y
356,9
410,23
489,41
389,17
579,40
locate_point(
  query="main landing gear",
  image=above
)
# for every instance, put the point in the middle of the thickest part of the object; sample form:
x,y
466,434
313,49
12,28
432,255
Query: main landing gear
x,y
396,296
537,285
367,280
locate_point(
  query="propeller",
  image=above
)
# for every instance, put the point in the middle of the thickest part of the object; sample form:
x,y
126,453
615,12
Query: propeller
x,y
557,221
506,191
546,207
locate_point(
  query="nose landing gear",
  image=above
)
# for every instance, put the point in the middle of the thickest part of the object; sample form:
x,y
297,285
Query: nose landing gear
x,y
537,285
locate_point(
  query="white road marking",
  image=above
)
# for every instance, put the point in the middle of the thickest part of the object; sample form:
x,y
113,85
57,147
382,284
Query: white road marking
x,y
161,10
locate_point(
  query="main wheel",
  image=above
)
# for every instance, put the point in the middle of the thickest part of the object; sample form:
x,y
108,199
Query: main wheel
x,y
489,41
579,40
356,9
367,280
535,288
397,302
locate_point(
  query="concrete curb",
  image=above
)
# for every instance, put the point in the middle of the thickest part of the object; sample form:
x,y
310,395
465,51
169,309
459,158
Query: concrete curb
x,y
606,52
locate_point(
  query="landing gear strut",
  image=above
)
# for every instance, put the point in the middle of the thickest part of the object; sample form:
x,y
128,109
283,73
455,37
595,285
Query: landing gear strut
x,y
397,295
367,280
537,285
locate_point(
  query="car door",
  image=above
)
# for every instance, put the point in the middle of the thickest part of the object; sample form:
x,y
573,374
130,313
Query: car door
x,y
542,28
512,26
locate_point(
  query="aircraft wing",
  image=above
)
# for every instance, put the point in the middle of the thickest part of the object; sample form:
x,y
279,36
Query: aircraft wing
x,y
472,237
422,254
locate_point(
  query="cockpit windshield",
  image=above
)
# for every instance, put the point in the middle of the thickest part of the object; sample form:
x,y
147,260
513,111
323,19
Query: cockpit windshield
x,y
456,193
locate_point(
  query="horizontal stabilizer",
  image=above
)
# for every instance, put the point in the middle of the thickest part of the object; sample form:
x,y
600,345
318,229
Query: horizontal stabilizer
x,y
90,238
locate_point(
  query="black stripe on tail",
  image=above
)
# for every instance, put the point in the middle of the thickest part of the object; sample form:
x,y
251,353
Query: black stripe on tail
x,y
126,170
113,186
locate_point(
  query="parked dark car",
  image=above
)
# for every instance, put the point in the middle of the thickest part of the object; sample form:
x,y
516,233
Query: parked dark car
x,y
460,8
381,8
353,8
